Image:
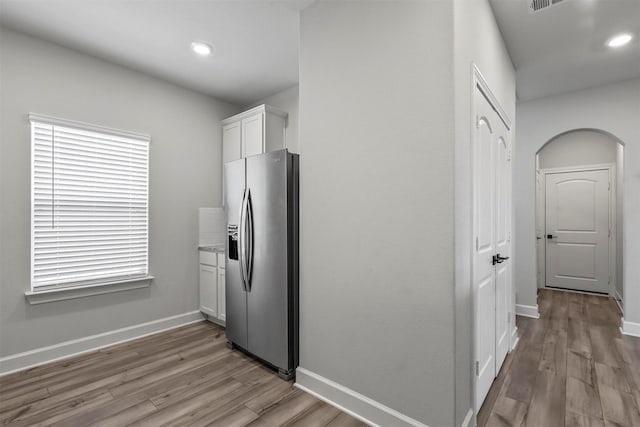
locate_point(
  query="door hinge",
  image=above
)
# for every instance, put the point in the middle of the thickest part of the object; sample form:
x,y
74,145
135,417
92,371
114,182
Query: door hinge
x,y
477,122
476,244
609,187
509,156
609,232
477,368
509,317
509,237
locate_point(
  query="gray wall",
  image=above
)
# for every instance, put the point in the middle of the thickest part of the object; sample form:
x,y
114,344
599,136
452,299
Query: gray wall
x,y
376,177
477,40
613,108
40,77
287,100
578,148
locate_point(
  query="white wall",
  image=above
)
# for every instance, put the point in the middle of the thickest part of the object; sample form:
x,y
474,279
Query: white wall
x,y
613,108
376,184
578,148
287,100
185,151
477,40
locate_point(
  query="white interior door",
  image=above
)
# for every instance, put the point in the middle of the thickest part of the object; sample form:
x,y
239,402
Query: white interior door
x,y
484,224
503,241
491,223
577,230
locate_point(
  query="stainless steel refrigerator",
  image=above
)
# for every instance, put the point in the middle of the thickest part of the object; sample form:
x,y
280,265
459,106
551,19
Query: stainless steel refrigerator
x,y
261,207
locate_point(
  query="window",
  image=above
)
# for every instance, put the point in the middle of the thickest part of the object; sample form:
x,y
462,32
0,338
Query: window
x,y
89,211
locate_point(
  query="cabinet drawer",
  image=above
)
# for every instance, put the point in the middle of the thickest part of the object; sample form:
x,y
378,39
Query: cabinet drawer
x,y
208,258
221,260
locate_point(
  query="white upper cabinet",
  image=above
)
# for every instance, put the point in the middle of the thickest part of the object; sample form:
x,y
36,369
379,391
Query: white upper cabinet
x,y
231,142
253,135
255,131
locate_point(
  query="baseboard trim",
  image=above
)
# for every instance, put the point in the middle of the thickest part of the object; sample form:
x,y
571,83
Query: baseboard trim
x,y
353,403
467,419
630,328
527,311
64,350
515,339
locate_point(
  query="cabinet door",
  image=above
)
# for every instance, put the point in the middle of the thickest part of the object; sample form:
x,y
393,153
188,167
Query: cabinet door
x,y
231,142
208,290
222,312
274,132
253,135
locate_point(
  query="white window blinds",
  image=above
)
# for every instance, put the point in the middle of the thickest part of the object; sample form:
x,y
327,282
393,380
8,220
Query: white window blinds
x,y
89,204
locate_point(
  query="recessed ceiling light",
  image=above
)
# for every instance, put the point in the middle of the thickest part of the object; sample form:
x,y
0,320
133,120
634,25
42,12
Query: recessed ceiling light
x,y
619,40
201,48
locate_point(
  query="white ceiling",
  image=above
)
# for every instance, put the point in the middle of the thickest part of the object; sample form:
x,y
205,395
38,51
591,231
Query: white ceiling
x,y
555,50
562,48
255,41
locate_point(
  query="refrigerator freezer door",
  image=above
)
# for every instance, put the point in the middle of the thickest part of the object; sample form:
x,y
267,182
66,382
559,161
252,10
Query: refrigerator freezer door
x,y
236,297
268,310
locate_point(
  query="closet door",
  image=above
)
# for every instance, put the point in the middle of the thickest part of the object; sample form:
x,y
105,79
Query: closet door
x,y
492,251
502,241
484,272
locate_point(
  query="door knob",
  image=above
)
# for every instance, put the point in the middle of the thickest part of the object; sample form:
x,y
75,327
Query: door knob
x,y
501,259
497,259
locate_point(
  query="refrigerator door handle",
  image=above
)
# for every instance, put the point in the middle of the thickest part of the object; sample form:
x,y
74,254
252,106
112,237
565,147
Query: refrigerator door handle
x,y
249,245
242,240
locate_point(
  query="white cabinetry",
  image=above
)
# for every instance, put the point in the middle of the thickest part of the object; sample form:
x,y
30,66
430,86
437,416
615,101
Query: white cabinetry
x,y
208,284
212,291
222,312
231,142
253,136
255,131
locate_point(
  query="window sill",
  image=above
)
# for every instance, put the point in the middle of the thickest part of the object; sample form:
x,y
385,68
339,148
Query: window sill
x,y
60,294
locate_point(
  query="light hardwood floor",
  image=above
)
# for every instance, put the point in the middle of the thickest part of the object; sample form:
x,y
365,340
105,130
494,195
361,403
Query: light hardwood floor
x,y
572,367
182,377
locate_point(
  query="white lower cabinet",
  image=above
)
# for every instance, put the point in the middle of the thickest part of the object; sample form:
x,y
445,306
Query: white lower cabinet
x,y
222,312
212,285
209,290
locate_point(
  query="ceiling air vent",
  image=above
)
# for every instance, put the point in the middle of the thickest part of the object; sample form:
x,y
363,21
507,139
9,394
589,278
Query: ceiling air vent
x,y
538,5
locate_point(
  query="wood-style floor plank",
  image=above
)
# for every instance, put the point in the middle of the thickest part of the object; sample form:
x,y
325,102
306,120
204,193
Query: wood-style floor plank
x,y
344,420
318,415
288,411
241,417
577,420
507,412
572,367
619,407
583,398
548,403
186,376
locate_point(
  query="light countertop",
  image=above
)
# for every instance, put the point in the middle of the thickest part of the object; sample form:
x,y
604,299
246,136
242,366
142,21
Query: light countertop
x,y
212,248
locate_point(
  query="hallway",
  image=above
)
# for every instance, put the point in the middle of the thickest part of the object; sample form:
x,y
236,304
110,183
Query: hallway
x,y
572,367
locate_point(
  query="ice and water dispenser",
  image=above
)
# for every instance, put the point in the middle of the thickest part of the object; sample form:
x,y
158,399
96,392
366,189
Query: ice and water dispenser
x,y
232,231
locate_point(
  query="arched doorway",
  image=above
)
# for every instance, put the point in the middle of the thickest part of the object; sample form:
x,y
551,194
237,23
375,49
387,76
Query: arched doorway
x,y
579,223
